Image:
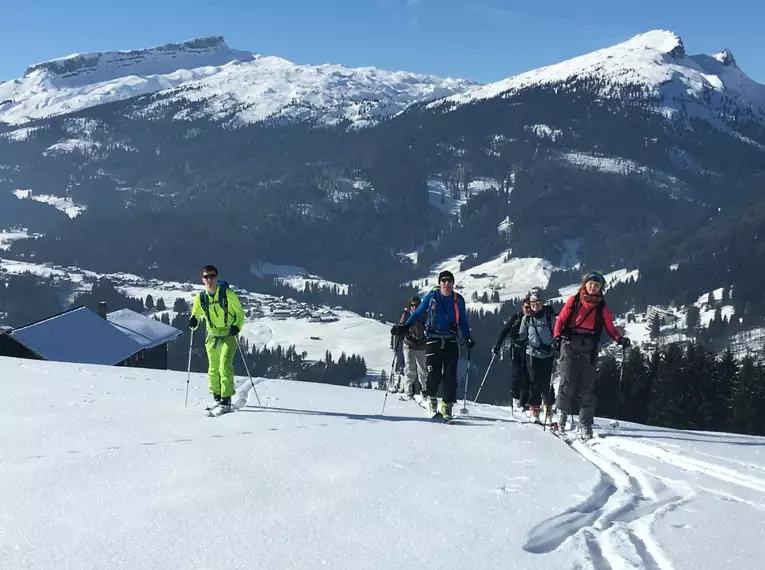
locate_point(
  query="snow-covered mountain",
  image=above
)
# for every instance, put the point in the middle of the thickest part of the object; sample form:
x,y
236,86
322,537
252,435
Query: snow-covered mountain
x,y
230,84
92,455
711,87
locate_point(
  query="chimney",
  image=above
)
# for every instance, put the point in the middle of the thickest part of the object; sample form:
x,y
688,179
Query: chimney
x,y
102,309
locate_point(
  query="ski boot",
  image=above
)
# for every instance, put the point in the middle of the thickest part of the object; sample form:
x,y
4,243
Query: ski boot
x,y
559,424
516,404
446,411
433,406
585,432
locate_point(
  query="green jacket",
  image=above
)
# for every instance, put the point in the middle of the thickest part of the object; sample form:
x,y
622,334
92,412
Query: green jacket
x,y
217,325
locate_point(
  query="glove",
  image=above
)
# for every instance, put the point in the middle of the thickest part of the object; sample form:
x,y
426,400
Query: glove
x,y
624,341
470,343
496,349
556,344
193,322
233,330
401,330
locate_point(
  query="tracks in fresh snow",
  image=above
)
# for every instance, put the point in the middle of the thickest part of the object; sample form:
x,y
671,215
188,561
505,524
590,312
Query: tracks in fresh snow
x,y
612,526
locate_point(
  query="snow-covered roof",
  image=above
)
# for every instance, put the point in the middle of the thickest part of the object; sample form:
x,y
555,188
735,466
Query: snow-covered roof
x,y
144,330
79,335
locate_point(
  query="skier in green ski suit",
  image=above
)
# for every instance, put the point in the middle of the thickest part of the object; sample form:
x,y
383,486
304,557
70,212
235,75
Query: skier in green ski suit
x,y
224,317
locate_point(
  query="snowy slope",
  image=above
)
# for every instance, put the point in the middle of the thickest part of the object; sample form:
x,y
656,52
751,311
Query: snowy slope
x,y
7,237
103,467
511,279
65,205
269,321
656,60
231,84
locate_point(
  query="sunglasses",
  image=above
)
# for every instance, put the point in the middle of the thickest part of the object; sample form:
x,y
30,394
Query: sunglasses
x,y
414,304
208,276
536,303
447,280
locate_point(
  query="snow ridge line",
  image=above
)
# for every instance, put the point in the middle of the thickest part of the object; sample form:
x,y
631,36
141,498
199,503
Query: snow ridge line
x,y
613,524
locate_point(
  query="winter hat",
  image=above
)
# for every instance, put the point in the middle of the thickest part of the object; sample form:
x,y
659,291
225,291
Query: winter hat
x,y
414,300
534,294
445,275
595,276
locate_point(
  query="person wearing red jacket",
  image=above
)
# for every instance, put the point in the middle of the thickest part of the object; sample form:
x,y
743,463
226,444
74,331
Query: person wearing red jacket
x,y
577,335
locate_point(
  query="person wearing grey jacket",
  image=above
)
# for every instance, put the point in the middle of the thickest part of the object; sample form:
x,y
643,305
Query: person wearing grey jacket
x,y
537,330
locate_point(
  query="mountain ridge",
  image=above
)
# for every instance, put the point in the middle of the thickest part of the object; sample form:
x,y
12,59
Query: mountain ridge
x,y
226,80
657,61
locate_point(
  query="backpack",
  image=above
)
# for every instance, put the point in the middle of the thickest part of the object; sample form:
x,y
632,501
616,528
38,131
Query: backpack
x,y
569,327
204,300
549,312
432,310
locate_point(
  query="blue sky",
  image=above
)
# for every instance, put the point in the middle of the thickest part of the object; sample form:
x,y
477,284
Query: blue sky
x,y
482,40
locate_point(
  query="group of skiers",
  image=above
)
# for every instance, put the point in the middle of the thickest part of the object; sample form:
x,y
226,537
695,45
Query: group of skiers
x,y
431,330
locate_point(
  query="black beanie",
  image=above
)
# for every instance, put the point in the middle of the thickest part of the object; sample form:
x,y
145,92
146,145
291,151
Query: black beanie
x,y
445,275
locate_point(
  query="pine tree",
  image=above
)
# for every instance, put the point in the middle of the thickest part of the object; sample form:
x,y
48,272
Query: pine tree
x,y
495,297
165,318
667,384
149,304
694,395
692,320
485,297
180,305
382,383
655,327
725,381
160,305
636,388
474,297
744,405
607,387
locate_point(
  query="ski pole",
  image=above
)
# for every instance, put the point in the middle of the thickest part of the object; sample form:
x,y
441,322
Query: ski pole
x,y
467,378
548,405
188,376
512,379
392,368
247,368
619,393
493,356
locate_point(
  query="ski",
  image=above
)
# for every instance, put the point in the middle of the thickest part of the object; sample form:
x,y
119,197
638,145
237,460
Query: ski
x,y
216,411
563,436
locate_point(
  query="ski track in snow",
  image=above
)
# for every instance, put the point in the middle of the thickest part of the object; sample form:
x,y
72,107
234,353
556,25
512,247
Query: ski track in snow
x,y
612,526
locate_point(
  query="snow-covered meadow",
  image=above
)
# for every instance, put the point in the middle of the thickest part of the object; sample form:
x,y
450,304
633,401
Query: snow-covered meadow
x,y
104,467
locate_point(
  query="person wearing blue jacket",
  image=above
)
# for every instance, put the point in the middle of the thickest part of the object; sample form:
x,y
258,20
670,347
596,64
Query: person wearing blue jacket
x,y
537,330
446,319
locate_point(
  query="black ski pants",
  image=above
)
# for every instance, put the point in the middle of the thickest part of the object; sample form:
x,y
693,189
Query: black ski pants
x,y
540,374
441,358
519,375
578,370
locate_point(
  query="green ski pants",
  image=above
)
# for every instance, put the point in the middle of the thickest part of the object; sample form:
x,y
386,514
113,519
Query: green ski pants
x,y
220,364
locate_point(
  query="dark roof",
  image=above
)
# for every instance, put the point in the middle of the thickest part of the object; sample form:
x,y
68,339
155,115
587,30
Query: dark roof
x,y
78,335
144,330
